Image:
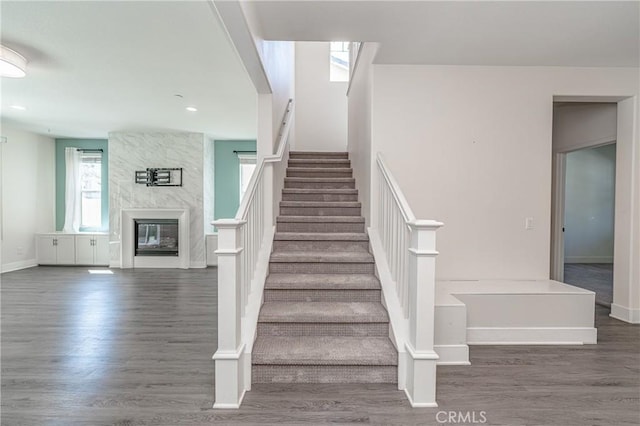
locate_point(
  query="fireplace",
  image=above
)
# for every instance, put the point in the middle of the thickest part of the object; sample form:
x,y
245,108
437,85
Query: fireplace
x,y
156,237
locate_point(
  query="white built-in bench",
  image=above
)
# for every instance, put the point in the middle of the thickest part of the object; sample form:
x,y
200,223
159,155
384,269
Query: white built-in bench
x,y
510,313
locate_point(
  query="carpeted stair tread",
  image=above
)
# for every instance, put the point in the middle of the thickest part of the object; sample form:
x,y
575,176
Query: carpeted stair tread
x,y
321,257
320,169
331,162
323,312
323,350
347,191
322,282
321,236
323,219
319,180
318,154
320,204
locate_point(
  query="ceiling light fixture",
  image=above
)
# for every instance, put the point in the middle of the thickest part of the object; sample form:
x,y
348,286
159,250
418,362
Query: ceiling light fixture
x,y
20,107
12,64
191,109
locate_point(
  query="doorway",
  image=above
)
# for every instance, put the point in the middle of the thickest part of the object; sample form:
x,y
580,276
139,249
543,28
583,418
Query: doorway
x,y
589,220
584,136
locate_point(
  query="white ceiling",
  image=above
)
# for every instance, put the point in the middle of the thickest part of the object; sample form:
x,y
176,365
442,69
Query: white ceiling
x,y
96,67
519,33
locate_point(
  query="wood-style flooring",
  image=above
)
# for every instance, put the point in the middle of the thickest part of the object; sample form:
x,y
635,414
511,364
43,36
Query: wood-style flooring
x,y
597,277
135,347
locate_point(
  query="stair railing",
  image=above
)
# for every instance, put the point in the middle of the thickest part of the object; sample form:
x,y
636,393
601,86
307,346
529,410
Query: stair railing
x,y
405,251
244,245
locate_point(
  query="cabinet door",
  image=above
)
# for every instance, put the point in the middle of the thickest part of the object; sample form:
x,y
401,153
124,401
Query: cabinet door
x,y
45,250
84,249
101,247
66,252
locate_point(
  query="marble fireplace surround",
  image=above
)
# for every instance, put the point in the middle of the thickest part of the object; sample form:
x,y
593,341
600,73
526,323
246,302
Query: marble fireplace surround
x,y
128,259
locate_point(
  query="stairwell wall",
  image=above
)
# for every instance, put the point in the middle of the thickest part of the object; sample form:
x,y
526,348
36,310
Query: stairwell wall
x,y
471,146
359,125
321,105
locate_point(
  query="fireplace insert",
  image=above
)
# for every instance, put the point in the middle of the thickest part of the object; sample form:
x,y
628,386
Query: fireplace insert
x,y
156,237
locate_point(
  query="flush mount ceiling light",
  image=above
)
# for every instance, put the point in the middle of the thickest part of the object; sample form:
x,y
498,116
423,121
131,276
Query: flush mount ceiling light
x,y
12,64
191,109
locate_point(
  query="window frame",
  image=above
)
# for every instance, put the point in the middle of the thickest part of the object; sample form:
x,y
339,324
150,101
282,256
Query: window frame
x,y
99,158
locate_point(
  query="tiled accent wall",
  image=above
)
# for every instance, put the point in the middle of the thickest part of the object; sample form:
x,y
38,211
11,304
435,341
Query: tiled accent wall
x,y
129,152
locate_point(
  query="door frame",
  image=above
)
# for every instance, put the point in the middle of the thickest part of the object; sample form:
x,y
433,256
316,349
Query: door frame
x,y
558,179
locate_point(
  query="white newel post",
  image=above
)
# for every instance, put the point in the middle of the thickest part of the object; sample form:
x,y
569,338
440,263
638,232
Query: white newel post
x,y
229,362
421,368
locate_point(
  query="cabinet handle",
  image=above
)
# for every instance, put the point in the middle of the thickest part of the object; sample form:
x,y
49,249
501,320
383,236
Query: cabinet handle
x,y
55,241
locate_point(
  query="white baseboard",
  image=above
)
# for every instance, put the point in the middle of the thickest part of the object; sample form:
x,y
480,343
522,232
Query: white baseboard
x,y
625,314
114,263
588,259
16,266
452,354
198,264
531,335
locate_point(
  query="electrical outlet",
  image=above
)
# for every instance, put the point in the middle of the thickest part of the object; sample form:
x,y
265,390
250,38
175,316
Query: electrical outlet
x,y
528,223
20,251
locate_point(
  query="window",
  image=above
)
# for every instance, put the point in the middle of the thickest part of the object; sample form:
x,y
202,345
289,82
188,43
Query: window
x,y
339,61
247,166
91,190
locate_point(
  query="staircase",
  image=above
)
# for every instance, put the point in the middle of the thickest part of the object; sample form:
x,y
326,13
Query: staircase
x,y
322,320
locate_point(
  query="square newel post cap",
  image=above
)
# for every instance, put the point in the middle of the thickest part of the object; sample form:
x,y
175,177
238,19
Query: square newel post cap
x,y
228,223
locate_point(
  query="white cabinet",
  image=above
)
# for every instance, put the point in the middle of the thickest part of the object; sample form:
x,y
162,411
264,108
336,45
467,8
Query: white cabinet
x,y
55,249
72,249
92,249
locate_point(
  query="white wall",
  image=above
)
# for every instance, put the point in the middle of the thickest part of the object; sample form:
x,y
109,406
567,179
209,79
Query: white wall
x,y
577,126
321,105
28,194
589,205
359,125
278,58
472,147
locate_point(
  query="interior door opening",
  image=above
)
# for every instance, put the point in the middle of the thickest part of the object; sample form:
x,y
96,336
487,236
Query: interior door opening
x,y
584,196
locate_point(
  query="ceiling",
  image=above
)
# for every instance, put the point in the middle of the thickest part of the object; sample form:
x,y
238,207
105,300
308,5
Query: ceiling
x,y
96,67
509,33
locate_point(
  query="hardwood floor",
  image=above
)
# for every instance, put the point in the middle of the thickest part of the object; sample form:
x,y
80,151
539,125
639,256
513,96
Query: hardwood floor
x,y
597,277
135,347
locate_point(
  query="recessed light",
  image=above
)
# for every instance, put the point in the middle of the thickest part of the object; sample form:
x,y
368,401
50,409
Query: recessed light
x,y
20,107
191,109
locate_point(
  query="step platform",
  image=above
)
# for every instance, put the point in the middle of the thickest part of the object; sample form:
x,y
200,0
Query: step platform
x,y
508,312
